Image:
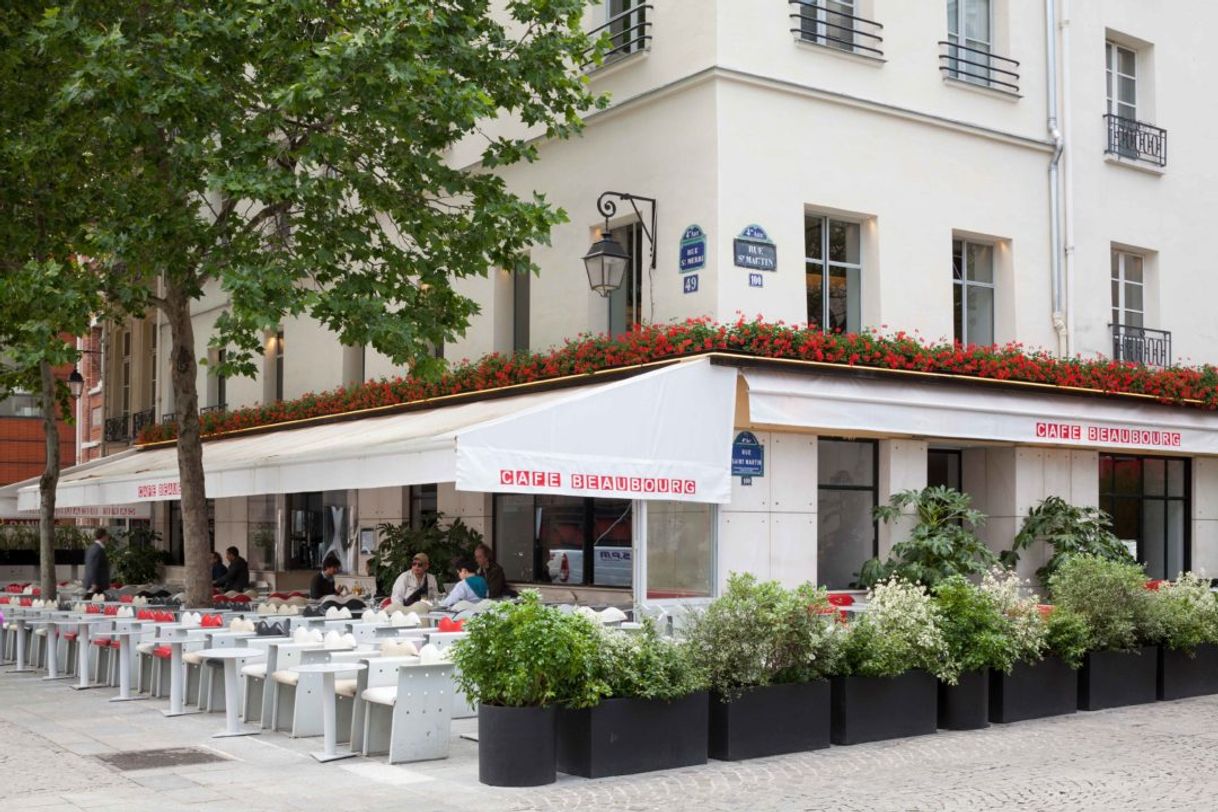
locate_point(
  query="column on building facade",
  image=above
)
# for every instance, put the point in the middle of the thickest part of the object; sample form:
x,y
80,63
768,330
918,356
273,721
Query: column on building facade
x,y
902,467
1205,516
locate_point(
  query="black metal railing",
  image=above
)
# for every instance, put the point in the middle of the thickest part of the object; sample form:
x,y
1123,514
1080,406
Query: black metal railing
x,y
169,418
117,429
1141,345
140,420
220,407
1136,140
628,31
978,67
817,22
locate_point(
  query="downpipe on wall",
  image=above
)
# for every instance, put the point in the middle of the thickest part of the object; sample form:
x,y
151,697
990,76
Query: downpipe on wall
x,y
1060,327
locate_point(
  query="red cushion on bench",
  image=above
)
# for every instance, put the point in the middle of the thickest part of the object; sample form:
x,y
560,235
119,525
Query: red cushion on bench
x,y
100,641
163,652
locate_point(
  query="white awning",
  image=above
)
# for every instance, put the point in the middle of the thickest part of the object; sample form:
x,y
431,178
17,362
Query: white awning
x,y
9,510
664,434
902,406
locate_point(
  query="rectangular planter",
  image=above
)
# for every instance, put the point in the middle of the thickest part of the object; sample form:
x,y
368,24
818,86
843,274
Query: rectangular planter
x,y
19,558
67,557
965,705
771,720
1181,675
623,736
1033,691
868,709
1112,679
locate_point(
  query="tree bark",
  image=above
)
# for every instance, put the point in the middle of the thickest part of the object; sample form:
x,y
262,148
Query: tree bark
x,y
47,484
184,371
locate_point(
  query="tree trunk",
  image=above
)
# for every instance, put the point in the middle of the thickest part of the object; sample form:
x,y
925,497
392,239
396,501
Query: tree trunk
x,y
196,540
47,484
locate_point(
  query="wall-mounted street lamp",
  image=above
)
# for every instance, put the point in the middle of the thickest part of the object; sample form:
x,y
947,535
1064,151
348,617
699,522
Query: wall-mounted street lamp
x,y
76,381
606,261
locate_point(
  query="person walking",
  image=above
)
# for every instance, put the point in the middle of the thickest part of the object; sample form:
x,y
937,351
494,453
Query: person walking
x,y
97,563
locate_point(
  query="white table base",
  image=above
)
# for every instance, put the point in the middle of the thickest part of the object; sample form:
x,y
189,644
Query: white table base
x,y
176,689
82,660
21,668
53,652
232,698
329,717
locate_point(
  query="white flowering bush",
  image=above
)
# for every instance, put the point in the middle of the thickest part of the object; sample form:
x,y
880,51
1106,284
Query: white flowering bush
x,y
900,631
1184,613
1028,628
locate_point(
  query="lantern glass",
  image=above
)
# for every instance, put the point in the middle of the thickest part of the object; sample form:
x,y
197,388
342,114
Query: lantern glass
x,y
606,263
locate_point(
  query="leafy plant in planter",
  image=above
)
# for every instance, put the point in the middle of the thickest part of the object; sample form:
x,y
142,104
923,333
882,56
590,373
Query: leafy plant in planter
x,y
942,543
136,560
1070,531
767,651
518,662
1184,620
441,541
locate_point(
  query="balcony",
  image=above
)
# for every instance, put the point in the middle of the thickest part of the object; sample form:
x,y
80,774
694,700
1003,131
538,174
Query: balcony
x,y
118,429
217,409
1141,345
628,32
817,22
1136,140
978,67
141,420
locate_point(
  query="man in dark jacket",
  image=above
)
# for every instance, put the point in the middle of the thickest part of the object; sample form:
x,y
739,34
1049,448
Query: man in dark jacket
x,y
237,577
97,564
323,582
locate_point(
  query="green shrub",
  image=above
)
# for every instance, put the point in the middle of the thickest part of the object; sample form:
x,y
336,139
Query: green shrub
x,y
1110,596
759,633
1070,531
1067,636
136,559
900,631
1184,613
441,541
648,666
943,543
526,654
1020,609
977,634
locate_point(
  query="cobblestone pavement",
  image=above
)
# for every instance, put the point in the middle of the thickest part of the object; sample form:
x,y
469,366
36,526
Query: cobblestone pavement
x,y
1162,757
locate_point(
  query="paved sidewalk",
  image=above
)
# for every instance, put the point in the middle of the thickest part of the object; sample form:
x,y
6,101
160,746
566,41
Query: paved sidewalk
x,y
1162,756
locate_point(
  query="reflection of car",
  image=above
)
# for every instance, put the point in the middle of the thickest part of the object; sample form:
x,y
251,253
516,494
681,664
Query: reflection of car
x,y
612,566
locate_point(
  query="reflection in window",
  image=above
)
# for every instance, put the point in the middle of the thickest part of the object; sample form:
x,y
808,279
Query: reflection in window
x,y
833,271
846,496
973,292
566,540
680,550
1147,498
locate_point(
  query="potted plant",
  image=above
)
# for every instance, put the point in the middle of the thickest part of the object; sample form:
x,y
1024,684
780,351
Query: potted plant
x,y
1050,643
520,661
652,716
137,560
443,542
1184,616
70,544
892,655
1120,666
767,653
1069,531
19,545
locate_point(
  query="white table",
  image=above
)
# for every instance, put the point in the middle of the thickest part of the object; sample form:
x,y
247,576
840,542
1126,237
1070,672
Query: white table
x,y
175,636
18,619
232,696
124,663
83,625
329,712
53,625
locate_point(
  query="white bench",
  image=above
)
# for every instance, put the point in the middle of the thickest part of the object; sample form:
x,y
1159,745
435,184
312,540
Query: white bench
x,y
407,714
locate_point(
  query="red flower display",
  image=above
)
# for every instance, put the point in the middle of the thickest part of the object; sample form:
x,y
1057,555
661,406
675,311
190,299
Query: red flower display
x,y
1192,386
1154,584
841,600
1045,609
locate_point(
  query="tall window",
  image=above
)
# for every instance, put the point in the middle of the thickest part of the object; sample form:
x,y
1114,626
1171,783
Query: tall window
x,y
177,534
833,271
627,26
1128,288
680,550
1122,74
521,284
125,372
828,22
279,365
423,505
153,367
567,540
846,495
1147,498
943,468
973,292
626,303
969,25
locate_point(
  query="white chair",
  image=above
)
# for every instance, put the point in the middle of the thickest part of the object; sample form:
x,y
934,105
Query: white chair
x,y
409,719
462,707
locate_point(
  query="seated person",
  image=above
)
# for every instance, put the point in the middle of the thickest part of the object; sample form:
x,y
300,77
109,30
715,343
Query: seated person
x,y
237,576
488,568
472,587
323,581
416,583
217,567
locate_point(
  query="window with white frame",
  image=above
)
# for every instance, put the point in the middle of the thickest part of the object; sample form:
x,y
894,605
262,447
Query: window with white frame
x,y
1122,75
125,372
970,31
153,368
973,291
833,272
1128,290
828,22
626,303
627,21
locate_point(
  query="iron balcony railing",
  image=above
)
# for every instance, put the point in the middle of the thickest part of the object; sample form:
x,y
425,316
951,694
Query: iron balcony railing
x,y
1141,345
816,21
1136,140
140,420
117,429
169,418
629,31
978,67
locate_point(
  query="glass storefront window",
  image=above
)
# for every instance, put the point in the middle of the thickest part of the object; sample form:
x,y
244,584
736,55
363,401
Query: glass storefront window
x,y
846,495
177,550
261,532
1148,501
680,550
566,540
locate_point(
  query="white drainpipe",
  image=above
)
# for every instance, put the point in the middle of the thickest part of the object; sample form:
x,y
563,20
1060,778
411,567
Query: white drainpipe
x,y
1068,177
1059,145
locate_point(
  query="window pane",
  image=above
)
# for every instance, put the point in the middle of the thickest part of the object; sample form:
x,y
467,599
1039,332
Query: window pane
x,y
612,542
1154,477
844,299
1126,91
560,534
514,535
1175,538
977,20
680,550
845,535
843,242
816,295
1126,519
1116,296
958,311
1127,111
260,532
1154,542
957,259
943,468
1106,468
814,237
980,262
1116,265
1133,268
1133,296
1175,477
980,315
953,17
1129,62
1127,478
846,462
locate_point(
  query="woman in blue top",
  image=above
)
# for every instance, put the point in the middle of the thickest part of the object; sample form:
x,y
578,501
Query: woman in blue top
x,y
472,587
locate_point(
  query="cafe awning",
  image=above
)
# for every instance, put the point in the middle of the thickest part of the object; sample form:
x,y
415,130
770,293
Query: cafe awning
x,y
10,512
661,434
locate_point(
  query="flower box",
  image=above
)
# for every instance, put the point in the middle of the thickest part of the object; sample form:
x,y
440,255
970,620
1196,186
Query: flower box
x,y
1112,679
66,557
516,746
965,705
19,558
771,720
867,709
623,736
1183,675
1033,691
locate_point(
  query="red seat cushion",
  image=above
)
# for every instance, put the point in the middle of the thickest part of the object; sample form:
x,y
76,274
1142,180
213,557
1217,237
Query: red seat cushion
x,y
92,609
162,652
116,644
69,635
124,598
100,641
841,600
449,625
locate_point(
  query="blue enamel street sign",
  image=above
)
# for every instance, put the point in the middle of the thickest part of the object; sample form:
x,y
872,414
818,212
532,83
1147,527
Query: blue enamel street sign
x,y
754,249
693,250
748,455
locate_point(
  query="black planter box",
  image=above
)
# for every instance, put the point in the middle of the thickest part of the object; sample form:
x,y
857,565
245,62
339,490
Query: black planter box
x,y
19,558
1181,675
771,720
1033,691
516,746
965,705
623,736
70,557
1112,679
868,709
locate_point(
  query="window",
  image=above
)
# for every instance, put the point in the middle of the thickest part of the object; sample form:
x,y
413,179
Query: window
x,y
828,22
943,467
125,373
221,381
153,367
1128,288
1147,498
626,303
970,38
279,365
833,273
306,532
20,405
423,505
846,496
261,531
521,284
627,21
973,292
177,535
1122,75
680,550
568,540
